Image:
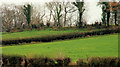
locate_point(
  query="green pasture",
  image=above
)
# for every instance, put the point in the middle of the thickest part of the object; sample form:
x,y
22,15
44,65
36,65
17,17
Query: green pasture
x,y
39,33
103,46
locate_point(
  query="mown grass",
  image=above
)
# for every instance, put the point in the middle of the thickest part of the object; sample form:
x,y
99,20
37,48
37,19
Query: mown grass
x,y
103,46
39,33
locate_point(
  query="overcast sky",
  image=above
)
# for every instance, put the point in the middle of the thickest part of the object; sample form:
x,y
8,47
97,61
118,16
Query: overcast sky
x,y
41,1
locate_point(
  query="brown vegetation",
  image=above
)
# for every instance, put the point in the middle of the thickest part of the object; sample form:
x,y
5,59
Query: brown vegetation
x,y
64,62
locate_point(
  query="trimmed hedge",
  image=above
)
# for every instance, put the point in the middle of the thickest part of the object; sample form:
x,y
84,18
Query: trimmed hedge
x,y
60,37
100,62
33,62
18,61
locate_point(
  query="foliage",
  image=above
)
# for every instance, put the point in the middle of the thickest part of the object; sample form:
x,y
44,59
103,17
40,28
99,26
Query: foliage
x,y
58,9
109,7
27,13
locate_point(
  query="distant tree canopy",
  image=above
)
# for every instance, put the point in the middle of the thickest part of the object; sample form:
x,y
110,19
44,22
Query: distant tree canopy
x,y
53,14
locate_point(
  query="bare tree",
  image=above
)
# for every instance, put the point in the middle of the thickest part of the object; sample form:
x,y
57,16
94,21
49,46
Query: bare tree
x,y
60,12
69,9
56,10
12,17
37,16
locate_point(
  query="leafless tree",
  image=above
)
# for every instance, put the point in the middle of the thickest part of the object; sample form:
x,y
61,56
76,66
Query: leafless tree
x,y
12,17
69,9
61,12
56,12
37,15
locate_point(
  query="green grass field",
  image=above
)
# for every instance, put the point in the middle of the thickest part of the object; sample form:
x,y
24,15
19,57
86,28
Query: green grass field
x,y
103,46
39,33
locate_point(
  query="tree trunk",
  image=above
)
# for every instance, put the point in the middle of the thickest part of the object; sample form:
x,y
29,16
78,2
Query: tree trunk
x,y
80,16
108,18
103,19
58,24
65,17
116,18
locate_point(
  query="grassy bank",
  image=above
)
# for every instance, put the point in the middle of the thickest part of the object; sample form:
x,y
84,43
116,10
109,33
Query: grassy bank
x,y
106,45
36,33
50,37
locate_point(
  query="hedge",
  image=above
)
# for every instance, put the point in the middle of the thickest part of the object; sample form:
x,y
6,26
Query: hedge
x,y
100,62
34,62
20,61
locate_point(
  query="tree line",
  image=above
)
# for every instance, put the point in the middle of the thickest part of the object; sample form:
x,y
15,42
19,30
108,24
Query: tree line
x,y
53,14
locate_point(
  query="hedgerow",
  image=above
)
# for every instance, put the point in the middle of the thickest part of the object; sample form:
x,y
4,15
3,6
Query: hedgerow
x,y
33,62
62,62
